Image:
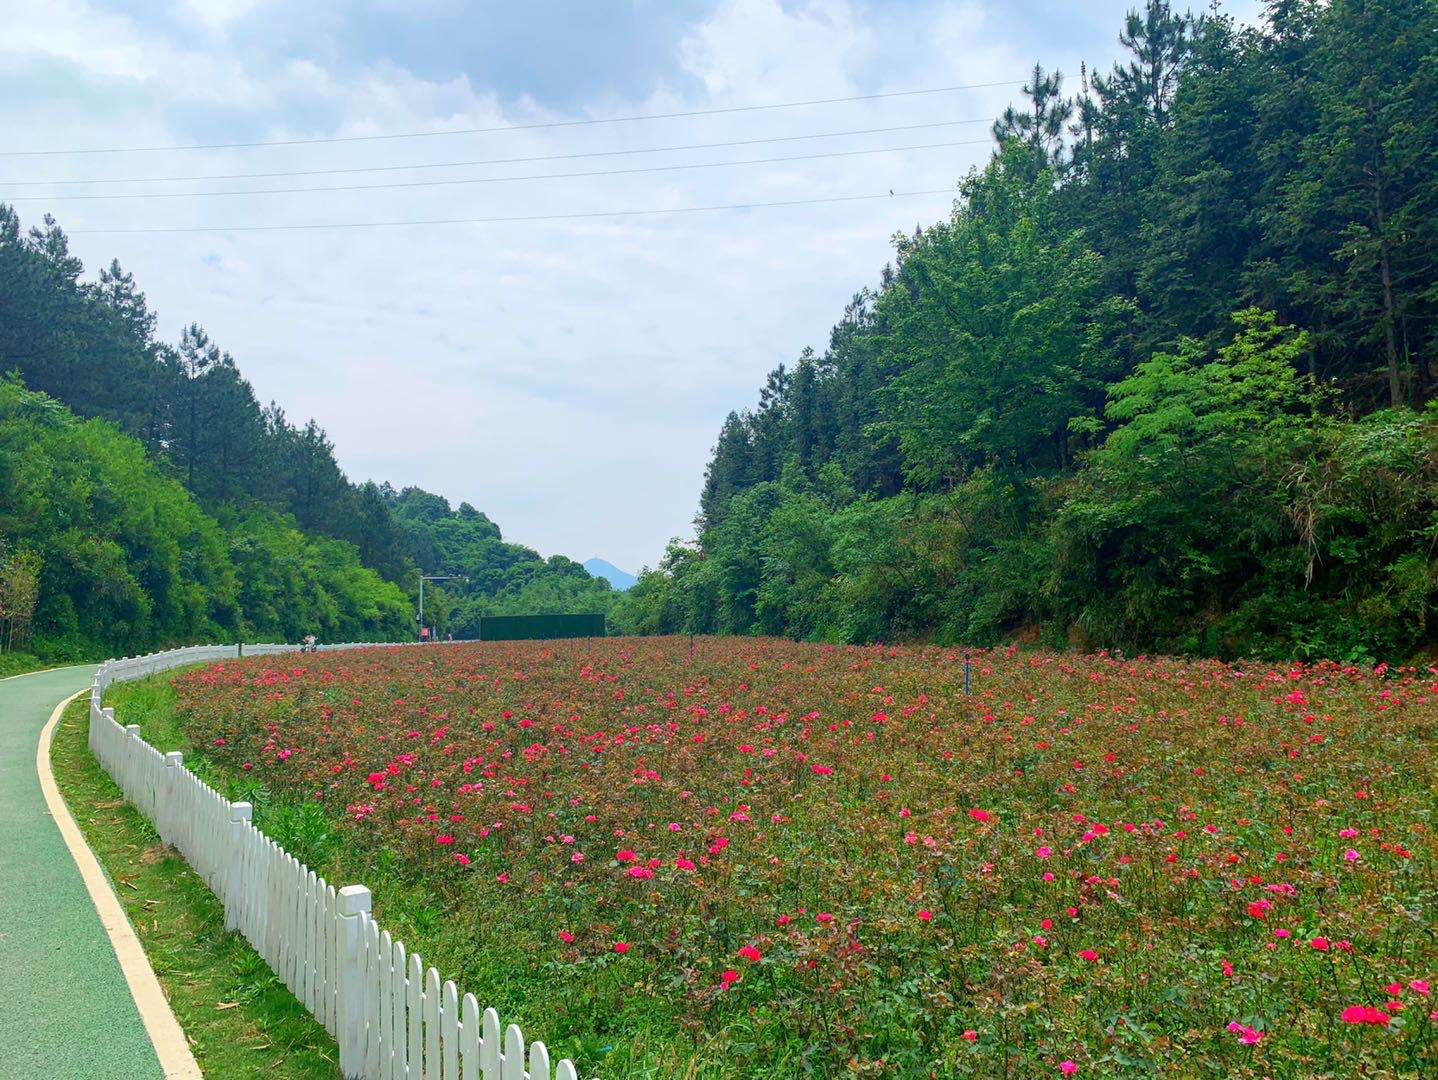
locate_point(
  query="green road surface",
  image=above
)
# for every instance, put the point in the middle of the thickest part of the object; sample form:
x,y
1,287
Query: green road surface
x,y
65,1008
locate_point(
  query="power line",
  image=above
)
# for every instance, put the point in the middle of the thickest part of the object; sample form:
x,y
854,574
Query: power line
x,y
684,167
503,220
509,127
501,161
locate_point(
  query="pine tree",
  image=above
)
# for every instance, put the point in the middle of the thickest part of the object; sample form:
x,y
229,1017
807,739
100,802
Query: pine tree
x,y
1159,42
729,470
1042,124
1364,186
192,361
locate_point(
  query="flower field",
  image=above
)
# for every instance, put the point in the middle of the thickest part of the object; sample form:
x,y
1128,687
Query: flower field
x,y
779,859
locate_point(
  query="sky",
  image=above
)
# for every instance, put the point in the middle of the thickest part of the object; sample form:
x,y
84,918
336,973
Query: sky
x,y
566,375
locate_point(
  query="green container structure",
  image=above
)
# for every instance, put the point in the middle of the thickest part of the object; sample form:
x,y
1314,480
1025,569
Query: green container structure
x,y
539,627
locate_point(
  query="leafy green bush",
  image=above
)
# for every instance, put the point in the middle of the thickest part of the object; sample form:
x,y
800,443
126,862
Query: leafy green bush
x,y
129,561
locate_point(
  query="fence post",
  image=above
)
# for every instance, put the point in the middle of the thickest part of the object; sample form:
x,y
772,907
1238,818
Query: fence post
x,y
130,785
167,813
96,691
240,814
353,902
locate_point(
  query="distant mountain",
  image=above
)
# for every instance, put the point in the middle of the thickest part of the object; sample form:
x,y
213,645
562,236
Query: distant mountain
x,y
609,572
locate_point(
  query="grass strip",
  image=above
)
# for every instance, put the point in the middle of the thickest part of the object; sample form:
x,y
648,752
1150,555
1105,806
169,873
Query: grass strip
x,y
19,663
240,1019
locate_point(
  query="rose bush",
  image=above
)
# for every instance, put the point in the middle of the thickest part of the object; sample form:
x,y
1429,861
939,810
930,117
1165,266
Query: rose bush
x,y
779,858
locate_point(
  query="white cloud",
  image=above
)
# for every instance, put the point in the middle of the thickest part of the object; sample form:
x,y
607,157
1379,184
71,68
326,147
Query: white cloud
x,y
217,14
71,30
566,377
803,52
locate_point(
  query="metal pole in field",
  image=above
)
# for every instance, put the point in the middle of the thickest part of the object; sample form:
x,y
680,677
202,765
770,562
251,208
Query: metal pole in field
x,y
967,685
433,577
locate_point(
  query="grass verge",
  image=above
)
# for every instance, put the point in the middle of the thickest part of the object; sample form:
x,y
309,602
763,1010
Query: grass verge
x,y
238,1016
19,663
406,903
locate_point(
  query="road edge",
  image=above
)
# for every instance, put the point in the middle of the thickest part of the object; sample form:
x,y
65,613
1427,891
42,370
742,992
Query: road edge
x,y
168,1038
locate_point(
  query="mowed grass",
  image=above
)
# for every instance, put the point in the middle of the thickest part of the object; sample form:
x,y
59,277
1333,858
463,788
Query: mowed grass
x,y
20,663
241,1022
781,859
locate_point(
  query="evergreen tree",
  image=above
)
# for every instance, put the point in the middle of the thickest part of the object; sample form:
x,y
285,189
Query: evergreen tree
x,y
730,469
1159,43
1045,415
1364,187
1041,125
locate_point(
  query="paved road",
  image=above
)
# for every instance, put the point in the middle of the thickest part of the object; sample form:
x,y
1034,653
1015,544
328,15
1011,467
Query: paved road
x,y
65,1008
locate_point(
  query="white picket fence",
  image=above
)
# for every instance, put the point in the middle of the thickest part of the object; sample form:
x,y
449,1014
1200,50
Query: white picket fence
x,y
393,1018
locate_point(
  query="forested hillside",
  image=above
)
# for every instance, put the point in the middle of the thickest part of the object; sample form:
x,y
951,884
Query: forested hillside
x,y
92,345
1163,380
147,499
116,557
492,577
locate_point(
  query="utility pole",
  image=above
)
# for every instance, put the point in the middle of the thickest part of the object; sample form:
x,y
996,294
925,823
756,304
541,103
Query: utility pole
x,y
433,577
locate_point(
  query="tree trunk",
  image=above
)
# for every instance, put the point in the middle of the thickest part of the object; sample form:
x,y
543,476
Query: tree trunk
x,y
1395,385
1390,335
190,472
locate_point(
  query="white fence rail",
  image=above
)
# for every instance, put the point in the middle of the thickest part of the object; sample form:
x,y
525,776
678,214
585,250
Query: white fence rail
x,y
393,1017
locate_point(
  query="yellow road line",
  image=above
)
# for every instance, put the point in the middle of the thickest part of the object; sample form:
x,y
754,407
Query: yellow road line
x,y
164,1030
